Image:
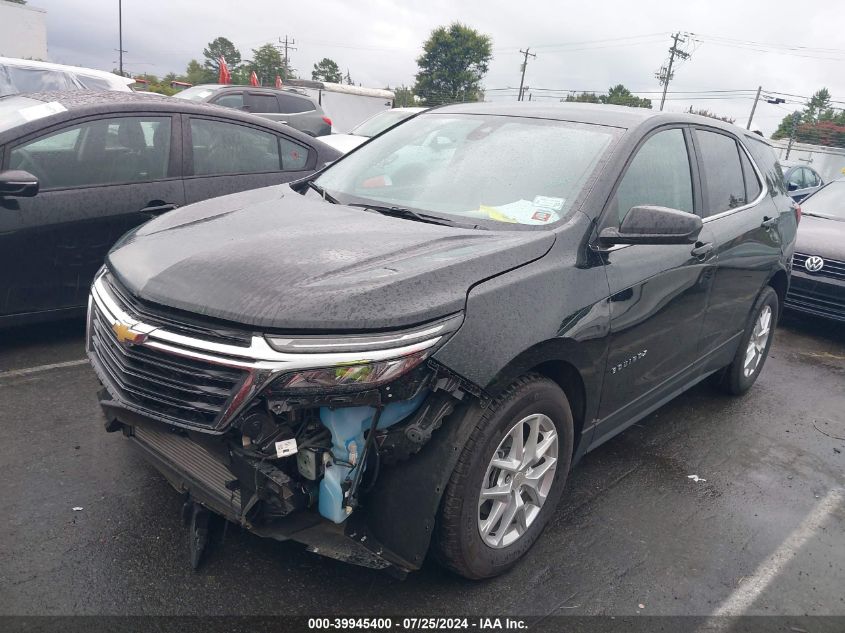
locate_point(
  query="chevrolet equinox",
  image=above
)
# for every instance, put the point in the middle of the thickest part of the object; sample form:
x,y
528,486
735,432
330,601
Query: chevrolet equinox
x,y
408,350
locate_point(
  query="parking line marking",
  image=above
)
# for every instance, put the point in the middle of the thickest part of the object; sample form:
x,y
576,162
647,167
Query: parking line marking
x,y
36,370
745,595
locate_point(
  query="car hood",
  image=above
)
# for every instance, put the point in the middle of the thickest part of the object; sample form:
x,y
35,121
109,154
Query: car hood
x,y
820,236
276,260
343,142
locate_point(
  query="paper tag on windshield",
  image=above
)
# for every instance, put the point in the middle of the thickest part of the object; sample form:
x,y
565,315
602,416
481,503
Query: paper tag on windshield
x,y
547,202
285,448
33,113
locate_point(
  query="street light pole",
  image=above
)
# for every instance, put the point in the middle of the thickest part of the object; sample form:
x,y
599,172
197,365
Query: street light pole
x,y
120,34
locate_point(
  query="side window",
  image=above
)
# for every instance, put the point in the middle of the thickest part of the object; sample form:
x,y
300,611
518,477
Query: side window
x,y
795,180
291,104
724,185
263,103
233,100
658,175
105,152
752,183
227,148
294,155
810,178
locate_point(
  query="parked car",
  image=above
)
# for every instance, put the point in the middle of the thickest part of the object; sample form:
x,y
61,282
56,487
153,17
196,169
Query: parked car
x,y
818,266
379,358
79,169
363,132
801,180
26,75
283,106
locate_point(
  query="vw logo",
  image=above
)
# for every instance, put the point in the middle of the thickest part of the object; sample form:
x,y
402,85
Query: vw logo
x,y
814,264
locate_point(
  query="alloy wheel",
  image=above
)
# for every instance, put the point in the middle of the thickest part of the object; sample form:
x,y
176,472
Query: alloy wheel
x,y
757,343
518,479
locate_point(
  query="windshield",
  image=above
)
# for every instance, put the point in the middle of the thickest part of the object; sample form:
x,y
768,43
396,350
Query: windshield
x,y
502,168
380,122
828,202
17,110
197,93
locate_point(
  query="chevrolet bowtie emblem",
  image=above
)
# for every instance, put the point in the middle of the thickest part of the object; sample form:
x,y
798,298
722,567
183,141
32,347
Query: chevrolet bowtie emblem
x,y
126,335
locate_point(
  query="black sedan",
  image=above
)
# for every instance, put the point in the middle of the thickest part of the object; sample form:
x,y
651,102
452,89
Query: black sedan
x,y
818,267
80,169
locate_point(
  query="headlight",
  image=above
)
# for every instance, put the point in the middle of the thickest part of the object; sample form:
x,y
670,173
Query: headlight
x,y
376,359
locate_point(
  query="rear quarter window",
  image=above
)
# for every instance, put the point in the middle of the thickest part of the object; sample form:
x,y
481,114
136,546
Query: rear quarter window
x,y
291,104
767,161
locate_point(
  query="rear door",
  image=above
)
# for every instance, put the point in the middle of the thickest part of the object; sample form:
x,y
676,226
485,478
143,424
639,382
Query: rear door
x,y
98,179
659,292
225,156
300,113
744,221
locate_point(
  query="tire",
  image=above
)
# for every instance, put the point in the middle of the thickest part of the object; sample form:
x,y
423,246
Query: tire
x,y
735,379
533,401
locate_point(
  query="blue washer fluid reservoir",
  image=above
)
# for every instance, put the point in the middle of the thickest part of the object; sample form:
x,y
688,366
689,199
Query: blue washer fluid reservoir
x,y
347,427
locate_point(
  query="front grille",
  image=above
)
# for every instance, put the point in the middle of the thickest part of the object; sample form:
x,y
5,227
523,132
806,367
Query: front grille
x,y
174,320
191,458
818,297
164,386
832,267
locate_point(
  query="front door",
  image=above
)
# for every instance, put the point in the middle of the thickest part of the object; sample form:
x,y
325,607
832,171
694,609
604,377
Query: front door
x,y
658,293
98,179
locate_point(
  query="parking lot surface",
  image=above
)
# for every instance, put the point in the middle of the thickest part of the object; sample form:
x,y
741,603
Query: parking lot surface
x,y
760,531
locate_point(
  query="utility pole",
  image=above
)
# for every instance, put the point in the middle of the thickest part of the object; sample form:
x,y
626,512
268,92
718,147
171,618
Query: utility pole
x,y
665,72
795,117
287,45
754,107
120,35
524,65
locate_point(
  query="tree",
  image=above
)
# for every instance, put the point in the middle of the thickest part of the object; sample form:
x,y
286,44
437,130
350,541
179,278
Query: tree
x,y
267,62
195,74
217,48
327,70
818,123
616,95
712,115
403,97
348,79
454,61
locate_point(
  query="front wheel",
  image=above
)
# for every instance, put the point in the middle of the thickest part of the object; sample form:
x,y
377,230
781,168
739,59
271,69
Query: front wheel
x,y
508,480
741,374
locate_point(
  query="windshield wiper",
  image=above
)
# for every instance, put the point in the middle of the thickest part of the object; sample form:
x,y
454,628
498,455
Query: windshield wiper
x,y
325,194
416,216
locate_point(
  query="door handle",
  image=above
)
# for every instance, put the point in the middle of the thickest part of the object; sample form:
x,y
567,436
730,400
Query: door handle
x,y
769,222
701,249
157,209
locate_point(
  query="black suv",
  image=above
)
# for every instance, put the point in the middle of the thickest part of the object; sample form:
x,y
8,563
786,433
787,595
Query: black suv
x,y
413,346
288,106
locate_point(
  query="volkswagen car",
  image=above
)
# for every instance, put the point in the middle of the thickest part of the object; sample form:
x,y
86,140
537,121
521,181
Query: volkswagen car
x,y
818,272
407,352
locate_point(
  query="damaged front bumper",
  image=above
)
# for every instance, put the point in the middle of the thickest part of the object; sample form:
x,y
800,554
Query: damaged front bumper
x,y
292,438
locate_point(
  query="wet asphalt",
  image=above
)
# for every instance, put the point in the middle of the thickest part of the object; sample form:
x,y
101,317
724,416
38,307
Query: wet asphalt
x,y
633,535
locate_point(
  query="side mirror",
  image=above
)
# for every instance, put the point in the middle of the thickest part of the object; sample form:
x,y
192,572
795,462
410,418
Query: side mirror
x,y
653,225
17,183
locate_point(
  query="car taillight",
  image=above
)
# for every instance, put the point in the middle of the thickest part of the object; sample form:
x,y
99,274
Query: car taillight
x,y
797,208
327,120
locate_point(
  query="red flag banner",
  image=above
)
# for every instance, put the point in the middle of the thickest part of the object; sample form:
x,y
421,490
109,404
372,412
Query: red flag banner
x,y
253,79
278,82
224,76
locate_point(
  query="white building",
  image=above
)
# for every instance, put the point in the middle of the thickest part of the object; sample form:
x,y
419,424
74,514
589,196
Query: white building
x,y
23,31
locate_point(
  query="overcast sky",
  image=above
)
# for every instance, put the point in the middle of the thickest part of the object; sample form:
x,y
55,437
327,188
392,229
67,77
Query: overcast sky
x,y
785,46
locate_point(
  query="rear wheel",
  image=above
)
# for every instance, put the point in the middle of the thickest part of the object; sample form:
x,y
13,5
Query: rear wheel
x,y
742,373
508,480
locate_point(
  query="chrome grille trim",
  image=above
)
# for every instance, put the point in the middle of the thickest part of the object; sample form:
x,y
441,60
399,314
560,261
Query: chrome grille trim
x,y
832,268
259,362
